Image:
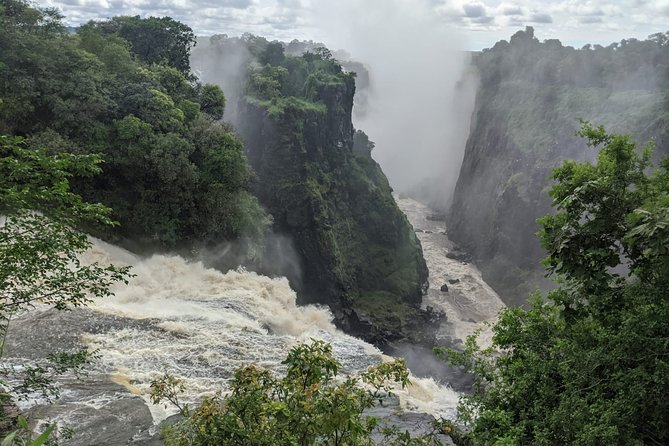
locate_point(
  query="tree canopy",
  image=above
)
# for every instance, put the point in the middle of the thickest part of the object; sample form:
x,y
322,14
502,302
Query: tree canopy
x,y
175,176
588,364
308,406
153,40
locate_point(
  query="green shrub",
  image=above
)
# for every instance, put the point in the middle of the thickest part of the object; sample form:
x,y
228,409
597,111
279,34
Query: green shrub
x,y
309,405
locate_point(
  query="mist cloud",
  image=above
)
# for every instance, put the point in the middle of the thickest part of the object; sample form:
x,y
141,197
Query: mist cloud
x,y
422,93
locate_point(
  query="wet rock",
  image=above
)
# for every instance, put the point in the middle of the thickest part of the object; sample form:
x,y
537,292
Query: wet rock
x,y
444,288
453,281
101,413
411,324
423,363
459,255
436,217
152,437
414,423
24,340
391,415
377,252
10,413
434,316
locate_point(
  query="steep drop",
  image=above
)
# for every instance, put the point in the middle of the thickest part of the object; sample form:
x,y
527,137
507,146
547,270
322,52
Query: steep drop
x,y
530,99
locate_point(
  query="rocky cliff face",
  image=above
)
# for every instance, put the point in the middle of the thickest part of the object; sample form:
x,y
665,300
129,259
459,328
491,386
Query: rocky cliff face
x,y
528,107
357,252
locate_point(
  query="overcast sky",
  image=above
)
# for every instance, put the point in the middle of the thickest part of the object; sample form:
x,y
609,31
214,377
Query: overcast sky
x,y
479,23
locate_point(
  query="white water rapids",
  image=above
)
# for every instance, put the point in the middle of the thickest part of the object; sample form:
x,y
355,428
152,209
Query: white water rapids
x,y
200,324
470,304
209,323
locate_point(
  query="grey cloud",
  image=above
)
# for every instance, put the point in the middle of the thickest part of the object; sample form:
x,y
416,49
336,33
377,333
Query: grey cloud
x,y
541,18
283,24
284,20
197,6
71,2
512,10
590,19
236,4
483,20
203,16
474,10
239,4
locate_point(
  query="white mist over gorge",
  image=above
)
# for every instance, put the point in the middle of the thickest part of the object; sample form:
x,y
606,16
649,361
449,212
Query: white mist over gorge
x,y
421,92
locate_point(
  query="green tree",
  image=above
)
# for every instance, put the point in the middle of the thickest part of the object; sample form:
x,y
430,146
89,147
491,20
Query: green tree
x,y
589,364
160,40
273,54
212,101
40,247
308,406
174,177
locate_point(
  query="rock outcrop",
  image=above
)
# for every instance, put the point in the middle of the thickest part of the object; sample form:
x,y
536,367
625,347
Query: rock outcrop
x,y
357,252
528,107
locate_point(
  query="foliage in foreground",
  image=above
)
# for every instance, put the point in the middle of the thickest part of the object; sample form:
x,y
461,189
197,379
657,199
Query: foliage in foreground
x,y
588,365
310,405
39,248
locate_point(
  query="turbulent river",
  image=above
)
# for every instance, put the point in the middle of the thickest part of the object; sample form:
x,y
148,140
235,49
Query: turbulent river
x,y
470,302
200,324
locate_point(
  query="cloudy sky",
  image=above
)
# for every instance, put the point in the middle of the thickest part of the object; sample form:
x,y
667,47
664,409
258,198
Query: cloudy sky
x,y
478,23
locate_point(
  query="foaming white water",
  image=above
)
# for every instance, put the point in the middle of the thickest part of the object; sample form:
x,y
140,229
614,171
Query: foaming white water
x,y
470,304
201,324
426,395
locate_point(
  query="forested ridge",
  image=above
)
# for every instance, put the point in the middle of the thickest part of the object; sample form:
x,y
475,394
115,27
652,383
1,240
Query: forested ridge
x,y
317,178
172,173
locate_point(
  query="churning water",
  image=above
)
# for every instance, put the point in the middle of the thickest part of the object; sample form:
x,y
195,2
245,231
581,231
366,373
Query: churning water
x,y
200,324
469,304
205,324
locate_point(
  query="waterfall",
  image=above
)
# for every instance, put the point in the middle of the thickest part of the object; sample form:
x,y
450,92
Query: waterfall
x,y
201,324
